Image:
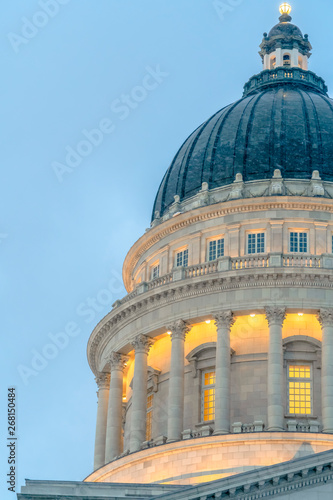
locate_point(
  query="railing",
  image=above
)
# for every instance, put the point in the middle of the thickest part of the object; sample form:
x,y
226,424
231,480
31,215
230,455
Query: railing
x,y
283,74
163,280
293,260
201,269
249,262
233,264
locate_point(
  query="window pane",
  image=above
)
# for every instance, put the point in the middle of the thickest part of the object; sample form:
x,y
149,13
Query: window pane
x,y
303,242
155,272
185,258
208,396
149,422
260,242
293,242
251,243
220,248
212,250
300,391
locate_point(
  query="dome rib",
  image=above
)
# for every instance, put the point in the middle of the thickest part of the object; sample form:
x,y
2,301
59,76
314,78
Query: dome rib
x,y
308,142
248,132
217,138
318,131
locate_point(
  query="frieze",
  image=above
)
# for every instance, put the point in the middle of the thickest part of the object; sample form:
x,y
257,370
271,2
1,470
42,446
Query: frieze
x,y
175,293
147,241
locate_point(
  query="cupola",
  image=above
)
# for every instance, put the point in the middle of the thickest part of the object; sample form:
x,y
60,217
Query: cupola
x,y
285,44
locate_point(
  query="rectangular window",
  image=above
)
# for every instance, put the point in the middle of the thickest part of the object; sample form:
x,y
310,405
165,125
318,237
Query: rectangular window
x,y
300,389
182,258
298,242
256,243
208,396
216,249
149,422
155,272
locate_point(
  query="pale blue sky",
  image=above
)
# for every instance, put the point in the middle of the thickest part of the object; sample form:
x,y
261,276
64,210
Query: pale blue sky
x,y
61,243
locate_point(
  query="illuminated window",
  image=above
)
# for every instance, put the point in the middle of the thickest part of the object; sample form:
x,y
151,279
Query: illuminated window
x,y
216,249
208,396
300,389
149,422
273,62
155,271
300,62
256,243
182,258
298,242
286,60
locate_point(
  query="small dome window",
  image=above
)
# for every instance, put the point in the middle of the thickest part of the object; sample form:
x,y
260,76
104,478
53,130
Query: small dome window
x,y
286,60
273,63
300,62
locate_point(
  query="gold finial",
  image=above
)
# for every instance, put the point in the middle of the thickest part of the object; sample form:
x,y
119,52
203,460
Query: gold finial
x,y
285,9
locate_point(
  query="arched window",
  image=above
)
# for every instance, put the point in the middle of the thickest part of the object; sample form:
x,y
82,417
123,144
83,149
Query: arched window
x,y
273,63
286,60
300,62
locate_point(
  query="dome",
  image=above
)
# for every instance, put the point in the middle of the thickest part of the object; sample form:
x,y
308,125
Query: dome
x,y
280,125
285,30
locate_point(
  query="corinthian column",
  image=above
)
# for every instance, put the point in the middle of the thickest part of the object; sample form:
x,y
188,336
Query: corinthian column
x,y
176,381
275,387
223,322
325,318
114,425
141,346
103,382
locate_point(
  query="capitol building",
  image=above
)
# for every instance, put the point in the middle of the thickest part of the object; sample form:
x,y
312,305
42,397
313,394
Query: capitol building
x,y
215,371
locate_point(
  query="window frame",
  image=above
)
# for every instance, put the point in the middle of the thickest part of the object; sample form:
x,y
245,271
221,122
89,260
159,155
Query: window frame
x,y
155,266
307,364
249,235
298,232
205,388
149,417
215,240
184,252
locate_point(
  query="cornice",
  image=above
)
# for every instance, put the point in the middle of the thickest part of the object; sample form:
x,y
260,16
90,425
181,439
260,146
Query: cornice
x,y
175,292
215,211
267,482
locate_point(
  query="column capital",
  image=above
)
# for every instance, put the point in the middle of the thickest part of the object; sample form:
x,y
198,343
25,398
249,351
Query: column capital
x,y
117,361
224,319
142,343
103,380
179,329
275,315
325,317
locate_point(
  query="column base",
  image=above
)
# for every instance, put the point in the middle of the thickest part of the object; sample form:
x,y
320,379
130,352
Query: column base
x,y
275,429
173,440
218,432
327,431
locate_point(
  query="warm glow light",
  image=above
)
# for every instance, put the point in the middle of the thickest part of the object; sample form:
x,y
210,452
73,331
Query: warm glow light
x,y
207,321
169,333
300,314
124,398
285,8
252,315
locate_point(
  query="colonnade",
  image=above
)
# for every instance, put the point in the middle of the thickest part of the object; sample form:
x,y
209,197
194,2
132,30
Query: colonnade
x,y
108,441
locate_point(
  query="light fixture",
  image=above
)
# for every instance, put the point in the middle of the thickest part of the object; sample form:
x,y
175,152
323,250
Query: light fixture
x,y
300,314
207,321
124,398
169,333
285,8
252,315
